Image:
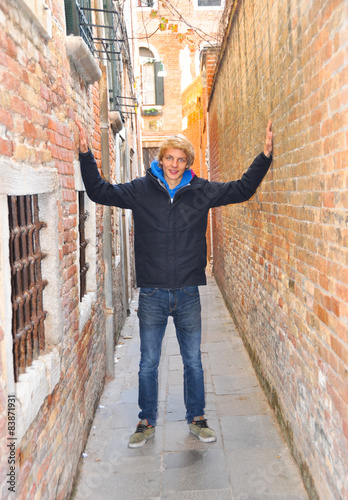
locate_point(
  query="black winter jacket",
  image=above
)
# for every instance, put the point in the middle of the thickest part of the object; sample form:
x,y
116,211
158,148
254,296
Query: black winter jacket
x,y
169,237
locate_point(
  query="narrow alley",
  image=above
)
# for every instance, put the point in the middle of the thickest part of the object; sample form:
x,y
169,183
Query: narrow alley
x,y
250,459
259,92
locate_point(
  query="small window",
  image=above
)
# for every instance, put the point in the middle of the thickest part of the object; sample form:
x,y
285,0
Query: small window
x,y
145,3
148,80
83,214
26,281
209,3
152,84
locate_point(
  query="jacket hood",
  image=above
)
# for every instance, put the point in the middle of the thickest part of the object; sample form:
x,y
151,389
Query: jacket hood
x,y
158,173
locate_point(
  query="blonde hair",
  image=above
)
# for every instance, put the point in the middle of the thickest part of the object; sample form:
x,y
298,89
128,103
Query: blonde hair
x,y
178,141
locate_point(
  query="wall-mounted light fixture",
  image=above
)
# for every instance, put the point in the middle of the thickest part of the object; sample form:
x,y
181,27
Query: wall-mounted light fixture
x,y
161,72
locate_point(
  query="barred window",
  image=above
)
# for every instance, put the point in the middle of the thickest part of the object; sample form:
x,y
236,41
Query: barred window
x,y
145,3
83,214
78,17
26,281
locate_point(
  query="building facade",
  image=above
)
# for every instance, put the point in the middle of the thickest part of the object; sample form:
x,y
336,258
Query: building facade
x,y
169,39
66,263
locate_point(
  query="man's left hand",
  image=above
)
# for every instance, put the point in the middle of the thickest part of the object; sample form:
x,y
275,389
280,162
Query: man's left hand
x,y
267,150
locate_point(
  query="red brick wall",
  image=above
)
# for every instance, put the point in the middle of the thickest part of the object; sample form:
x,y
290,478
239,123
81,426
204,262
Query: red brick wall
x,y
3,417
194,109
281,258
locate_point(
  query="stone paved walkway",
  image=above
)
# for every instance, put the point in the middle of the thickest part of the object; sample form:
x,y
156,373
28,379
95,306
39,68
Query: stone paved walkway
x,y
249,461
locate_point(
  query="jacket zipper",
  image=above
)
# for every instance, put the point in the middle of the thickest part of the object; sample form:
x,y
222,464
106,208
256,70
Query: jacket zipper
x,y
162,186
180,189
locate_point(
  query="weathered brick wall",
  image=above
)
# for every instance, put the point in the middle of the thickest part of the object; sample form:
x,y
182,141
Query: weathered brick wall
x,y
281,258
193,111
210,57
49,453
193,106
3,416
41,92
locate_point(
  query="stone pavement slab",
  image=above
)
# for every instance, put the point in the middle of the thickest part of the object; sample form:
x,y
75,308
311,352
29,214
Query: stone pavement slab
x,y
249,460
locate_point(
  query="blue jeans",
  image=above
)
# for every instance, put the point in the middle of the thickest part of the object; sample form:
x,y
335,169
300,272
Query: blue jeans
x,y
155,305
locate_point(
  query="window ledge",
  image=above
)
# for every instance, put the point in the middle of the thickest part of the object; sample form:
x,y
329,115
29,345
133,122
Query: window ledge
x,y
33,387
40,14
151,111
83,59
207,7
116,121
86,309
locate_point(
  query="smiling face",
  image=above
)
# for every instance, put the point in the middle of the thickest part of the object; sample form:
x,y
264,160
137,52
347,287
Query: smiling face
x,y
174,163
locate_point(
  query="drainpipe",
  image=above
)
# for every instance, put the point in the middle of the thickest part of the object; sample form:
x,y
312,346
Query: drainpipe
x,y
107,232
210,212
125,227
199,104
120,160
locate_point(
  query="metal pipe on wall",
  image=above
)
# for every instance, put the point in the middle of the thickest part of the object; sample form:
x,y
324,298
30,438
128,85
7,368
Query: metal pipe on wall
x,y
107,230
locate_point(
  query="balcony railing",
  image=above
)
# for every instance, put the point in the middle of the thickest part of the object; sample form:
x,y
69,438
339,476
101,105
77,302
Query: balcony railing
x,y
85,28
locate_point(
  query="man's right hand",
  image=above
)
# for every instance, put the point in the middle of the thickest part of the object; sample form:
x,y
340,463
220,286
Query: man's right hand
x,y
83,142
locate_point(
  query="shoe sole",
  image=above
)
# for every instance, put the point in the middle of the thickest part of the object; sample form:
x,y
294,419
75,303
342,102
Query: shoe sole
x,y
141,443
204,440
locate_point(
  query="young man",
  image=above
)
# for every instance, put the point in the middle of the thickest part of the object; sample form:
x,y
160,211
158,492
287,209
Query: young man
x,y
170,206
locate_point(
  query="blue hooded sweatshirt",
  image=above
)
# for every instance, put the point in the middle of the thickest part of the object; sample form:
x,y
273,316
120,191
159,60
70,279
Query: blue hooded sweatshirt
x,y
158,172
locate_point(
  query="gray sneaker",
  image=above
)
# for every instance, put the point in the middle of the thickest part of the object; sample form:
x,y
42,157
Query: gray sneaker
x,y
143,432
199,427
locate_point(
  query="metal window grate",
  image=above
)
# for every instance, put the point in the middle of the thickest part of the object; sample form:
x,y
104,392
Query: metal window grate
x,y
149,154
85,22
83,244
104,31
26,281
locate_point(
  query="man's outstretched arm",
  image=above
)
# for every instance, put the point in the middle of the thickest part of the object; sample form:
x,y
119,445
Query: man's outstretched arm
x,y
98,189
244,188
